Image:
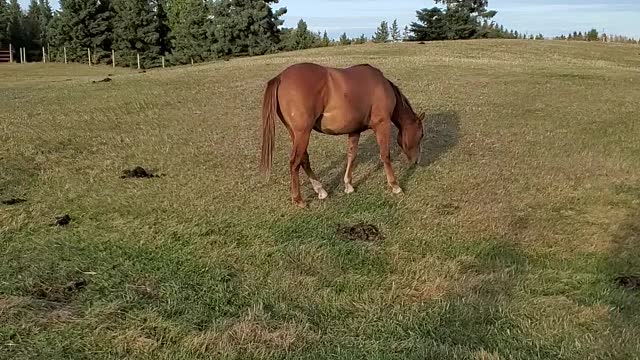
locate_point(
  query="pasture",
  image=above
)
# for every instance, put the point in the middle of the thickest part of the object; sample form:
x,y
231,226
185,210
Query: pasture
x,y
507,243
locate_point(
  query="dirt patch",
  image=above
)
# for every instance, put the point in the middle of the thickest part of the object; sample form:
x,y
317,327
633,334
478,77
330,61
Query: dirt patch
x,y
447,209
360,232
62,220
12,201
628,282
60,294
138,172
107,79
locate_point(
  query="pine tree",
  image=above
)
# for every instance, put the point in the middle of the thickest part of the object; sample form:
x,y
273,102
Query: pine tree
x,y
405,33
431,25
325,39
593,35
45,20
83,24
135,33
190,41
382,33
360,40
162,27
395,31
4,22
14,18
344,39
32,27
245,27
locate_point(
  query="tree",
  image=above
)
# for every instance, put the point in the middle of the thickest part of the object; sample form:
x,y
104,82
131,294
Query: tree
x,y
162,26
382,33
361,40
4,37
301,38
33,27
135,32
405,33
190,38
395,31
45,20
325,39
83,24
592,35
431,25
245,27
14,22
344,39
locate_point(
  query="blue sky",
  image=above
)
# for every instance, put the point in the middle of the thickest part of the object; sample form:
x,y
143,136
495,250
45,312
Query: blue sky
x,y
550,17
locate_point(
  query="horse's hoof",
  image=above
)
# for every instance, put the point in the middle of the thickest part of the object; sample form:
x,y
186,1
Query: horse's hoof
x,y
349,189
322,194
300,203
396,190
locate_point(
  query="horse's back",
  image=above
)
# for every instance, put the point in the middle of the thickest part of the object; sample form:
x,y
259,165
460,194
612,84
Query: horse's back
x,y
336,100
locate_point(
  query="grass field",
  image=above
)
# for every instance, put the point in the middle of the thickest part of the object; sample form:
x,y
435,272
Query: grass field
x,y
506,244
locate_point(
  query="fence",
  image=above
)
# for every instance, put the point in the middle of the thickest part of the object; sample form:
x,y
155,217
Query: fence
x,y
44,55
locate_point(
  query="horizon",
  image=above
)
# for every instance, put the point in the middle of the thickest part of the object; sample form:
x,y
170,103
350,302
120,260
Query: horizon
x,y
551,18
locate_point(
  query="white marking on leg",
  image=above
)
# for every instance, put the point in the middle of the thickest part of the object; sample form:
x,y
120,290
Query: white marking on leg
x,y
396,190
319,189
348,188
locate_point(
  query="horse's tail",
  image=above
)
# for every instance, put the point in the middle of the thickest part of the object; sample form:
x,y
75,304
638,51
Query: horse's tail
x,y
269,112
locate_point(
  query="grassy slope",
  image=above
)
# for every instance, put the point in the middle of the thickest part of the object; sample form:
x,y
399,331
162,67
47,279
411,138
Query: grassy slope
x,y
504,246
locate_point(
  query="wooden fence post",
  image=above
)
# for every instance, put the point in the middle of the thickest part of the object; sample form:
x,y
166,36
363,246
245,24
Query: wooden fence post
x,y
191,61
65,54
44,56
138,55
89,54
10,53
163,62
113,57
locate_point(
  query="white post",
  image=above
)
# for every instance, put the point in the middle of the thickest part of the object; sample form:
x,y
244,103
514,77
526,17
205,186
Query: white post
x,y
44,56
65,54
191,61
138,60
48,52
89,54
163,62
10,53
113,57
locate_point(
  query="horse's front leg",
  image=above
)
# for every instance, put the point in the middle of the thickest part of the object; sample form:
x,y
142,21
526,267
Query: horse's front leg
x,y
352,152
383,134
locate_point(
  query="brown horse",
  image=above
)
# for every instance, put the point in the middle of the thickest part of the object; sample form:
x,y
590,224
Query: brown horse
x,y
334,101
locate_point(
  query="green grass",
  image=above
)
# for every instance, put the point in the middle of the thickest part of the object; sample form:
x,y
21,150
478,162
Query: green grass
x,y
505,245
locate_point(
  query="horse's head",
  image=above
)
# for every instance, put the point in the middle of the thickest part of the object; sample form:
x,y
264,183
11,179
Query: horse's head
x,y
410,136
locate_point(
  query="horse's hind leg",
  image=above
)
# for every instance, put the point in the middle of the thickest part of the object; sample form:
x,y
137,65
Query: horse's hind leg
x,y
351,157
296,159
317,185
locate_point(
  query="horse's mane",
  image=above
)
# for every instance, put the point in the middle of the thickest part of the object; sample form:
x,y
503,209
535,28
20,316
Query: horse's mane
x,y
401,99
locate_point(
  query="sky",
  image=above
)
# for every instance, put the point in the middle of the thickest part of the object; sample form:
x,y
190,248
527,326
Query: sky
x,y
549,17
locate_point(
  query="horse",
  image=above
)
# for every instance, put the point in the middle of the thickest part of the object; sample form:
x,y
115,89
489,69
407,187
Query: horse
x,y
337,101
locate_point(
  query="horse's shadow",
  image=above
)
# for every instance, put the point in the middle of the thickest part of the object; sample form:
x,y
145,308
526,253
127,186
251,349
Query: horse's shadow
x,y
440,135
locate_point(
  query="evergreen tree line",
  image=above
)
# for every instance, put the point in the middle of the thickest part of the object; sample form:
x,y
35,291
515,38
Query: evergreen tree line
x,y
594,35
25,30
180,30
460,20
